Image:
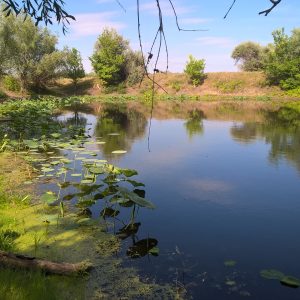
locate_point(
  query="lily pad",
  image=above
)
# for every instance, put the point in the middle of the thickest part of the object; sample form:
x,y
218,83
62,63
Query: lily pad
x,y
48,198
119,152
272,274
290,281
230,263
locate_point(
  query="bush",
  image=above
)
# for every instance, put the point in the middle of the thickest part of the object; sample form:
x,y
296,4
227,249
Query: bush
x,y
11,84
175,85
135,69
229,86
195,70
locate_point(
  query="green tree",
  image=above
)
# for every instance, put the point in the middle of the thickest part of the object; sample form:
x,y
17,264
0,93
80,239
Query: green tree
x,y
134,68
29,52
109,57
249,56
195,70
73,67
283,60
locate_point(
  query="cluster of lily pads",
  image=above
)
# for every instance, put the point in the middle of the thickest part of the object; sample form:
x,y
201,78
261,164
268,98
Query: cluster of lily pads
x,y
66,158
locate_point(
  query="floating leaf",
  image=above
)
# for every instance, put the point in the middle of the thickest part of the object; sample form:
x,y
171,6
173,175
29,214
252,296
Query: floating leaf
x,y
128,172
48,198
271,274
135,183
96,170
119,152
290,281
230,263
86,181
76,175
85,203
154,251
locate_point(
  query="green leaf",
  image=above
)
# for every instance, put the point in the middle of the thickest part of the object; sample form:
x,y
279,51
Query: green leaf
x,y
290,281
271,274
135,183
230,263
48,198
128,172
119,152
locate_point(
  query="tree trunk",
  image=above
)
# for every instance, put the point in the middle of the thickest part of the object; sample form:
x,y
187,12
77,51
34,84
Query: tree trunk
x,y
32,263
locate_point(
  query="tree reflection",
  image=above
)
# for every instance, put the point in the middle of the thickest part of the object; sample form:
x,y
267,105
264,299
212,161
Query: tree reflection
x,y
121,127
194,124
278,130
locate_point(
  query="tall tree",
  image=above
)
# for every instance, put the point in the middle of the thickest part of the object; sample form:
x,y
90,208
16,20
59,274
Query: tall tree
x,y
109,57
72,65
29,51
249,56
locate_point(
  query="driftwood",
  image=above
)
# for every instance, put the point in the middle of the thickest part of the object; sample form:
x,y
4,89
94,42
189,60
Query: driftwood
x,y
49,267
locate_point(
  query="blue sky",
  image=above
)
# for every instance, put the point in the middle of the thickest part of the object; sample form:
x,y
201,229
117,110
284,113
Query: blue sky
x,y
214,45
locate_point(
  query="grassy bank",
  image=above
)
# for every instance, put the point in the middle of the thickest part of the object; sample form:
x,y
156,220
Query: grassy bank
x,y
219,85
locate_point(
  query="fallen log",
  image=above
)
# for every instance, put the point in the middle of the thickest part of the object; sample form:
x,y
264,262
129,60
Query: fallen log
x,y
26,262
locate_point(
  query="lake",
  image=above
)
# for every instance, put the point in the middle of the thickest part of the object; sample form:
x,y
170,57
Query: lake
x,y
225,183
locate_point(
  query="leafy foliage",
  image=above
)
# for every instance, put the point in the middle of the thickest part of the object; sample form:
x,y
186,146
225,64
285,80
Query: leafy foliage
x,y
114,62
73,67
195,70
109,57
44,10
10,83
28,52
249,56
283,61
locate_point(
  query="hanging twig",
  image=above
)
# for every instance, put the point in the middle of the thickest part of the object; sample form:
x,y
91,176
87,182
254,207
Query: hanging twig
x,y
267,11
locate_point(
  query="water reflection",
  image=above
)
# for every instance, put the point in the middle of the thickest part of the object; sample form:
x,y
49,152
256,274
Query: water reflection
x,y
194,123
120,127
283,137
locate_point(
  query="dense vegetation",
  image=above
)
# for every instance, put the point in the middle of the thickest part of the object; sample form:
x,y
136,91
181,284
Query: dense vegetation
x,y
29,58
280,60
114,61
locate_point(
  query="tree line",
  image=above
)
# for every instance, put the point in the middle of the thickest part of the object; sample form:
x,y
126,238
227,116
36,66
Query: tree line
x,y
30,59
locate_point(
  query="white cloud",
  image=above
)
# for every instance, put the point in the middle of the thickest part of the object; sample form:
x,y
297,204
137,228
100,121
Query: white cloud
x,y
93,23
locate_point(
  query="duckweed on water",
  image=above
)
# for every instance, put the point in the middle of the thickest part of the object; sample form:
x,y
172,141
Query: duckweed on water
x,y
57,225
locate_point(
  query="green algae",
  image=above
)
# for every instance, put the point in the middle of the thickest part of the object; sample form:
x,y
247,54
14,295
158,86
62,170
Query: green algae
x,y
41,232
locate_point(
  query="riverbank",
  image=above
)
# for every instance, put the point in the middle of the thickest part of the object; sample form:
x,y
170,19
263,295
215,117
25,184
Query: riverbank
x,y
216,86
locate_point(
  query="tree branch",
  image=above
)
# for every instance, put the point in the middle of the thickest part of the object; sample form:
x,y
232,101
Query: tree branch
x,y
267,11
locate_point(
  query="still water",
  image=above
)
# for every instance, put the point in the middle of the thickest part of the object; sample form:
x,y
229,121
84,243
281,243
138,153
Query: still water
x,y
226,189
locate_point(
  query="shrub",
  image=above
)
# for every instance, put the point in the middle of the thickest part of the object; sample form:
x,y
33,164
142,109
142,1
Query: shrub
x,y
229,86
11,84
195,70
175,85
